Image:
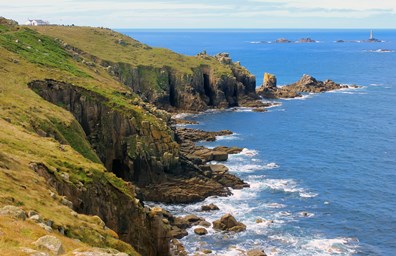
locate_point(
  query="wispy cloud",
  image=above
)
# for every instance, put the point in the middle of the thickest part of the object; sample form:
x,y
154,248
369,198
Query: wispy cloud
x,y
204,13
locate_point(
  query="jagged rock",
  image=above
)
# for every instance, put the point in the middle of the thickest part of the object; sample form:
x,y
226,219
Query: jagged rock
x,y
224,58
269,80
50,243
210,207
219,156
228,223
207,251
282,40
307,84
177,232
228,150
256,252
45,226
187,221
194,135
306,40
200,231
66,202
13,211
177,248
35,218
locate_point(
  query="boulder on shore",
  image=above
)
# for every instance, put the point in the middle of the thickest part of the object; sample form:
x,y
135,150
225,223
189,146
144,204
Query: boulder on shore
x,y
200,231
210,207
228,223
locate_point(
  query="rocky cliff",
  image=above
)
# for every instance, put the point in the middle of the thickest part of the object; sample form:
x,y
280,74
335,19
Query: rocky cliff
x,y
89,145
178,83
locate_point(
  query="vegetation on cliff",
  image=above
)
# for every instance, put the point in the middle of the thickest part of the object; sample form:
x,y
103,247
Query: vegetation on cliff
x,y
70,126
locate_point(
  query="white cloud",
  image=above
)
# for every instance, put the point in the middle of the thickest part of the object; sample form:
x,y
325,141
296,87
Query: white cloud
x,y
204,13
335,5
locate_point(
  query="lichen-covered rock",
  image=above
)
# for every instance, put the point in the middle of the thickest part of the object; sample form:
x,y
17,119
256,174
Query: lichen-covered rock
x,y
50,243
228,223
13,211
269,80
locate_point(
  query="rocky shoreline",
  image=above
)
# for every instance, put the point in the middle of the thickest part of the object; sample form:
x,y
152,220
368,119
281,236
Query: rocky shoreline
x,y
202,157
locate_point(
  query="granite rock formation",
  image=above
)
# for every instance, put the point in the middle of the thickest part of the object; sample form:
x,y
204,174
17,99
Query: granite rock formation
x,y
307,84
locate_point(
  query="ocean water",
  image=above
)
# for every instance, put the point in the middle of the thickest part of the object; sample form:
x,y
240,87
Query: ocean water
x,y
322,169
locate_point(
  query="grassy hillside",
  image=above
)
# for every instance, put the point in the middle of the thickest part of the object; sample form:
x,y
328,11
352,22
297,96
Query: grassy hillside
x,y
115,47
35,131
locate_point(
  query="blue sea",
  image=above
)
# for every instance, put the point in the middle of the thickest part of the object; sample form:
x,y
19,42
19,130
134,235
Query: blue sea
x,y
322,169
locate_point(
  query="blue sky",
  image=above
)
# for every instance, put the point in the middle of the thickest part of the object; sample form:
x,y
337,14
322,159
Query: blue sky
x,y
207,14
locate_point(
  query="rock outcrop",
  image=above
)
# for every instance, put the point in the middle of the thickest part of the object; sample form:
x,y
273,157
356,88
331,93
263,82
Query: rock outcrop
x,y
203,87
127,143
307,84
51,244
282,40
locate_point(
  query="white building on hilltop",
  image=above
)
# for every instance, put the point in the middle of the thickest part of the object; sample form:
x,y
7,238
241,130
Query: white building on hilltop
x,y
36,23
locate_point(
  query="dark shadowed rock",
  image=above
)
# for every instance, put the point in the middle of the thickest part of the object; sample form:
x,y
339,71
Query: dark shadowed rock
x,y
210,207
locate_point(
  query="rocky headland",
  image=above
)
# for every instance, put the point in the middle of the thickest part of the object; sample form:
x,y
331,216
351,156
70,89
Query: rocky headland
x,y
87,137
88,131
307,84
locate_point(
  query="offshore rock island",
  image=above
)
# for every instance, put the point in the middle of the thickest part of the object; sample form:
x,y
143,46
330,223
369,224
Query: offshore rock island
x,y
87,136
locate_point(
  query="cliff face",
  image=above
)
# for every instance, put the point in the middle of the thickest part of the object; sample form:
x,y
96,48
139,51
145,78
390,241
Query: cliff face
x,y
173,82
122,213
176,91
132,147
140,150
